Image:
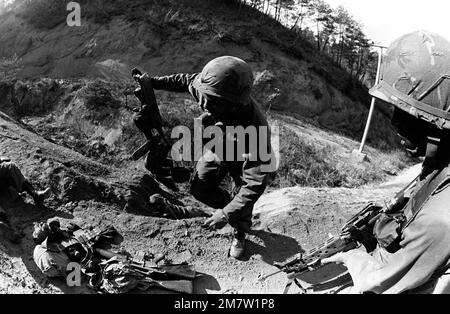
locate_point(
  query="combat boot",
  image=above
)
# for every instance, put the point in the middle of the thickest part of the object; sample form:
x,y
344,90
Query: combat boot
x,y
237,249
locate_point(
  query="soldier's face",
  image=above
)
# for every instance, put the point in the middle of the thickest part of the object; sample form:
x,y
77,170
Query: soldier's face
x,y
412,132
219,108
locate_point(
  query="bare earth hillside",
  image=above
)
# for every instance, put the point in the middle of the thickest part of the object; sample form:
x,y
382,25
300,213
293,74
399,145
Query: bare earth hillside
x,y
286,221
182,36
64,119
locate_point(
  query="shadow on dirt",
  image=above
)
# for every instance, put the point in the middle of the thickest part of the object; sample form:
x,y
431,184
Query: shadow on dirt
x,y
279,248
276,248
204,283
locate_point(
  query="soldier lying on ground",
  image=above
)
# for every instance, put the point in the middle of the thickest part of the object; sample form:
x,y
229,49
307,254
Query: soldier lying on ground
x,y
13,181
223,89
56,247
70,251
413,252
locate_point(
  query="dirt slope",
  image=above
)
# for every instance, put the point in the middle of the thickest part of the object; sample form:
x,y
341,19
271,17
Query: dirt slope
x,y
89,193
181,37
72,132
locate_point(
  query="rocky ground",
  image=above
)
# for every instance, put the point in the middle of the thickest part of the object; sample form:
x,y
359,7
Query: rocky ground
x,y
76,135
88,192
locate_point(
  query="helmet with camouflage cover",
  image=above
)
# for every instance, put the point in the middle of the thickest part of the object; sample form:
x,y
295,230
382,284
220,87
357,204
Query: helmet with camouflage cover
x,y
415,77
226,77
41,231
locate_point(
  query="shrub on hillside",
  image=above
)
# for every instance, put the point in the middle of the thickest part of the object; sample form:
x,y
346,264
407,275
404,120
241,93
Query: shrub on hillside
x,y
98,94
9,67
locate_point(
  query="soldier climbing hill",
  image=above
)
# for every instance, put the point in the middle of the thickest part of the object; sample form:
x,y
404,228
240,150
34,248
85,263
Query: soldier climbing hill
x,y
223,90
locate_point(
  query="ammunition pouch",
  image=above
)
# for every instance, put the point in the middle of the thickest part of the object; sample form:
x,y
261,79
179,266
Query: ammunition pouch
x,y
388,229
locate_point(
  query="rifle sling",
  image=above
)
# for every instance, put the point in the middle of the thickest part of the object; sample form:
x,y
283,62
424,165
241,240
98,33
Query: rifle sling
x,y
288,286
427,188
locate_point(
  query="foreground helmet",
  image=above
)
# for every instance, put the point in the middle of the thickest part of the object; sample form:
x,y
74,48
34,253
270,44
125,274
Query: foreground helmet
x,y
41,231
226,77
415,77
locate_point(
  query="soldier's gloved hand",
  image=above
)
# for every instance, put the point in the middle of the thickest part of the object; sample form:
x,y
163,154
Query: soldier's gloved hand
x,y
136,73
217,220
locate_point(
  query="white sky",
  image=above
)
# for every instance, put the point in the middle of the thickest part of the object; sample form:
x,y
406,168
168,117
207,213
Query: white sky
x,y
386,20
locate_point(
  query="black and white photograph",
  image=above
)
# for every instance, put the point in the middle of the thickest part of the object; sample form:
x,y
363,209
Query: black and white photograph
x,y
224,155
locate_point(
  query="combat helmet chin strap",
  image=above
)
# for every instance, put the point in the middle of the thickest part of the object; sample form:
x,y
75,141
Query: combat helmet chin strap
x,y
432,157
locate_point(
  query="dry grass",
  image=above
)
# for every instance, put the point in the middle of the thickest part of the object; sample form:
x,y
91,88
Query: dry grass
x,y
304,163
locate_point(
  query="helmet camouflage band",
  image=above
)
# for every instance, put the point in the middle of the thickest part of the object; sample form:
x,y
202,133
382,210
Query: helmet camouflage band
x,y
226,77
415,77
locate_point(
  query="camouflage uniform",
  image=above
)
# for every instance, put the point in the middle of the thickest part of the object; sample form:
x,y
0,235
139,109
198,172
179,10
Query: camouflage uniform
x,y
50,260
414,78
421,263
248,176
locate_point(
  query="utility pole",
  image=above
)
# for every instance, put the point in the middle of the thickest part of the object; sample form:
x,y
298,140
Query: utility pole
x,y
359,153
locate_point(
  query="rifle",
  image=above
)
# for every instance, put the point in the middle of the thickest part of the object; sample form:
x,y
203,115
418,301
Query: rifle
x,y
144,266
142,150
149,117
356,232
177,278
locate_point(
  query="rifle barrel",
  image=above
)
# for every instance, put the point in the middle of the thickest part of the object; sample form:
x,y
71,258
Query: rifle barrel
x,y
270,275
